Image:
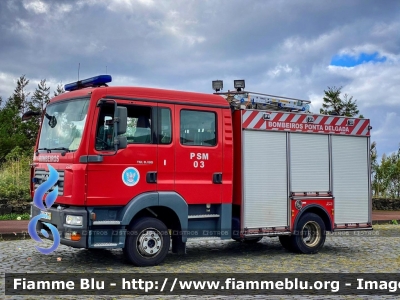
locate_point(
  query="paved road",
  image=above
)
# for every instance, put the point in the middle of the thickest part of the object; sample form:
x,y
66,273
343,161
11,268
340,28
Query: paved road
x,y
14,227
379,253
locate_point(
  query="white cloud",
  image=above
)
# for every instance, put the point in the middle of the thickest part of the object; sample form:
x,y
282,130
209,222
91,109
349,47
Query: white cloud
x,y
385,29
36,6
63,8
23,27
6,85
386,132
147,2
279,70
297,44
373,84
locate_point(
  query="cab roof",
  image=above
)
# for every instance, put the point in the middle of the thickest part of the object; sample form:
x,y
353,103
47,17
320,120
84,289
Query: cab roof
x,y
137,93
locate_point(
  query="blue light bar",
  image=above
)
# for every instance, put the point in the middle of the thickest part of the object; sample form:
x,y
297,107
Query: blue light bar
x,y
90,82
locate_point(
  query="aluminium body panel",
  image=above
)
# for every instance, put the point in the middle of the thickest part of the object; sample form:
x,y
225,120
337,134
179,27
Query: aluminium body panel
x,y
265,191
309,162
351,183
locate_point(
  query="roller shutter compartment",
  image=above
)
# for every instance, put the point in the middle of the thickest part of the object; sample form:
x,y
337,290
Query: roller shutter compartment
x,y
264,179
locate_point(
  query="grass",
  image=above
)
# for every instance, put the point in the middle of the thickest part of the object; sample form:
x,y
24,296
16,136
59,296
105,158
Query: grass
x,y
15,179
13,216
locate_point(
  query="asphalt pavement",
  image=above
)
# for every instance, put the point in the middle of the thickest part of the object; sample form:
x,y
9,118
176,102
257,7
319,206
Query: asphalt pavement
x,y
369,252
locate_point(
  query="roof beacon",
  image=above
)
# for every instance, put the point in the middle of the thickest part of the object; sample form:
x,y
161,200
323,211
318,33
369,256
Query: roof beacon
x,y
90,82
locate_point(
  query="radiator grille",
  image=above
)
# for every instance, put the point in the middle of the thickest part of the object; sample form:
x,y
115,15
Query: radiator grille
x,y
42,175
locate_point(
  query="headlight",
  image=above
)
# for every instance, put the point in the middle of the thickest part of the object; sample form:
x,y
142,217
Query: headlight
x,y
73,220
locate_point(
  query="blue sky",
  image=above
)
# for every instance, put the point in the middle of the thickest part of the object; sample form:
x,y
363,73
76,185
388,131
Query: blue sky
x,y
280,47
346,60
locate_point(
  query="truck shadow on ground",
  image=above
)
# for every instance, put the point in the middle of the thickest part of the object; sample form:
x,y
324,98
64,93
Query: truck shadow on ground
x,y
209,253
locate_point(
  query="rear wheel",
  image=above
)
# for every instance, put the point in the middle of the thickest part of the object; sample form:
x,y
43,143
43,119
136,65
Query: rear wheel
x,y
147,243
310,234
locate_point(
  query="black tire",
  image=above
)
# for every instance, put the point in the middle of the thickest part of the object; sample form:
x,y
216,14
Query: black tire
x,y
286,242
147,243
249,241
309,236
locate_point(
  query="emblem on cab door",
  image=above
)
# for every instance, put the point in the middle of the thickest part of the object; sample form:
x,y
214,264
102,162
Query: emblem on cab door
x,y
130,176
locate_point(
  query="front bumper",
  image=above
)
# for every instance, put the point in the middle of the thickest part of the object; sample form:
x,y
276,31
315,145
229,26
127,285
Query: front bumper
x,y
58,215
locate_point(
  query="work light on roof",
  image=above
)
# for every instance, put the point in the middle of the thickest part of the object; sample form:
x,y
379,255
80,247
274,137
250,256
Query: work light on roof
x,y
239,84
217,85
100,80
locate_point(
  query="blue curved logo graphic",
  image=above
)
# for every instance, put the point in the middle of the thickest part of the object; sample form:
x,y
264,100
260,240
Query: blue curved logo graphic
x,y
130,176
38,202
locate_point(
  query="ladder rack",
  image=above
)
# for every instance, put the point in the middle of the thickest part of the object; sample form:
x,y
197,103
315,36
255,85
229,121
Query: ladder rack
x,y
252,100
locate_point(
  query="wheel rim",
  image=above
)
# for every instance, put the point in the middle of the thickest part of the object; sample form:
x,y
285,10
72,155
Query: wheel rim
x,y
149,242
311,234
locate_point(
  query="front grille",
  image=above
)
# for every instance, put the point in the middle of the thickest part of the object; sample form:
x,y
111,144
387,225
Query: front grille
x,y
42,175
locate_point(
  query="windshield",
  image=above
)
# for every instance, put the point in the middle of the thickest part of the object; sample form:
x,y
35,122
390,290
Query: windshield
x,y
63,125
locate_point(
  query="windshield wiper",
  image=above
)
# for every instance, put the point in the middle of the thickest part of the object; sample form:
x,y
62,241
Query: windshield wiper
x,y
58,148
61,148
47,149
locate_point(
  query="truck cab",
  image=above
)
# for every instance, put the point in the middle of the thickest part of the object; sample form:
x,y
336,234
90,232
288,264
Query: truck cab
x,y
130,156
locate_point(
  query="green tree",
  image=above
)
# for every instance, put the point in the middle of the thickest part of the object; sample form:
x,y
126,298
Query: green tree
x,y
19,99
39,100
14,132
11,135
393,175
374,163
41,96
386,180
377,173
334,105
59,90
381,180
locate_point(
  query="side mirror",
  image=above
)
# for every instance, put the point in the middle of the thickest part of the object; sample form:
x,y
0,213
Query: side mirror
x,y
29,114
121,115
121,142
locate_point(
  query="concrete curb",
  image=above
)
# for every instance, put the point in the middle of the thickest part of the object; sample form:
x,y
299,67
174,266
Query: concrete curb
x,y
14,236
385,222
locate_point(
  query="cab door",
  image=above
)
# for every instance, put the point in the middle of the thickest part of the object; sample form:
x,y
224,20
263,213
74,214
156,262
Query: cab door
x,y
118,178
166,148
198,154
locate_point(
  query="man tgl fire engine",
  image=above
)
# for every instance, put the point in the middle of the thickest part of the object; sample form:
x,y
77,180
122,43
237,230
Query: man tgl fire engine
x,y
140,168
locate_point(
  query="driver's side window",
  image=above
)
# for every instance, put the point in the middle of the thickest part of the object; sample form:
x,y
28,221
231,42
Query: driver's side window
x,y
105,129
139,126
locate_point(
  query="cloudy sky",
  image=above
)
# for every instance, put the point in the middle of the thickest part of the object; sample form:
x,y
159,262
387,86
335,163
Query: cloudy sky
x,y
289,48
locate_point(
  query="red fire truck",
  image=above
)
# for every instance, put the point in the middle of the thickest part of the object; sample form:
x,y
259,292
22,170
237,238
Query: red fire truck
x,y
143,168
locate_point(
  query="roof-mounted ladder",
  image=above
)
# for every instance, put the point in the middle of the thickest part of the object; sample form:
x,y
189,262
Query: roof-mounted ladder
x,y
252,100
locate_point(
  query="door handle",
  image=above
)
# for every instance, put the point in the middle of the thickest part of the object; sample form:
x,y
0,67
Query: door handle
x,y
151,177
217,178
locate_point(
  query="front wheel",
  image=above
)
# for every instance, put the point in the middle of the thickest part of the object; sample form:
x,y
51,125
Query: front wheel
x,y
147,243
310,234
